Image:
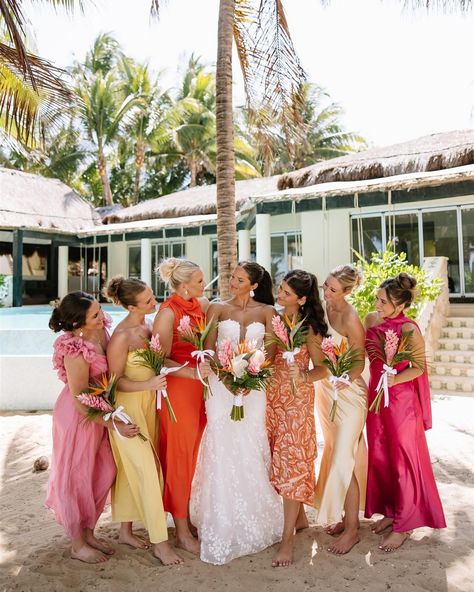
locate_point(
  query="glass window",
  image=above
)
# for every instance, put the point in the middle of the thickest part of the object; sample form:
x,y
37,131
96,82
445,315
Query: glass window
x,y
159,252
468,249
367,235
440,238
402,230
134,262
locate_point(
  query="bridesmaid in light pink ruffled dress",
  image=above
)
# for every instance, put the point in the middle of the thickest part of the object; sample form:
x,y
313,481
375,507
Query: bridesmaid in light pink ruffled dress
x,y
82,466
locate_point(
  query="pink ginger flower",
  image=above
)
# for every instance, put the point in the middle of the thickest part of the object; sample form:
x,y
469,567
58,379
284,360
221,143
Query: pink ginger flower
x,y
327,347
155,344
94,402
280,329
225,352
256,362
184,327
391,345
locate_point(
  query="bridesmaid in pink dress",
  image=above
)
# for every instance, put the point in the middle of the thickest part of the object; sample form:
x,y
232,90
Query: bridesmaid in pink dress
x,y
400,485
82,465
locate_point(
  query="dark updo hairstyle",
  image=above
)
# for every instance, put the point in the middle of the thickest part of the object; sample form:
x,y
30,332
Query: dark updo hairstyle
x,y
303,284
71,312
259,275
400,289
124,291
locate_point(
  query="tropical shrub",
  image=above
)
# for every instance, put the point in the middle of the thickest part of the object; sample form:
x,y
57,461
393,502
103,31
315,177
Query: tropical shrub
x,y
387,264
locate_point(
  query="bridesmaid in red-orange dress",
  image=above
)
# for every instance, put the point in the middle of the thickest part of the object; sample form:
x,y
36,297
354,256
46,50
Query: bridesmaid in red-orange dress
x,y
179,442
290,412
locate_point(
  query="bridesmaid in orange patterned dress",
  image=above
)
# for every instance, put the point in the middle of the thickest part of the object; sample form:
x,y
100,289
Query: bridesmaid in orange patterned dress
x,y
179,442
290,416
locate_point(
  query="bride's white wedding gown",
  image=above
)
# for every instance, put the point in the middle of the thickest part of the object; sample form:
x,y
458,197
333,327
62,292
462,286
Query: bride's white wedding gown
x,y
234,506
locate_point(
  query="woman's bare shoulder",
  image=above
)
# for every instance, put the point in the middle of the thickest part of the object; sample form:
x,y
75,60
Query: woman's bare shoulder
x,y
371,320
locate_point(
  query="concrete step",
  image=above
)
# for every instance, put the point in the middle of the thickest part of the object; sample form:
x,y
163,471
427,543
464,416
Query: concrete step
x,y
447,343
461,310
452,384
453,369
453,357
460,322
458,332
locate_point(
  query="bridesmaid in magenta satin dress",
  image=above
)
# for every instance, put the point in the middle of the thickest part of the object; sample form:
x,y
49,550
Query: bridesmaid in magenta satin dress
x,y
82,465
400,484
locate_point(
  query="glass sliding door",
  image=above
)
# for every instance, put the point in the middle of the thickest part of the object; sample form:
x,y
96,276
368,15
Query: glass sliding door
x,y
402,231
467,216
367,236
159,252
440,238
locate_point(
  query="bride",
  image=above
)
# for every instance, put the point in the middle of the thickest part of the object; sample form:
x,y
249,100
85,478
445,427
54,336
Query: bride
x,y
233,504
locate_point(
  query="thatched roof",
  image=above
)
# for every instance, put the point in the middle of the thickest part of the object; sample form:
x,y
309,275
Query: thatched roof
x,y
198,201
38,203
429,153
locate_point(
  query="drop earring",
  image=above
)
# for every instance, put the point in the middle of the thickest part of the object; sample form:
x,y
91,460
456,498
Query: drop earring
x,y
81,333
252,293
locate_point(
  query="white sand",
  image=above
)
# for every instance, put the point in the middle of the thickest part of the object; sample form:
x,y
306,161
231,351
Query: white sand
x,y
34,554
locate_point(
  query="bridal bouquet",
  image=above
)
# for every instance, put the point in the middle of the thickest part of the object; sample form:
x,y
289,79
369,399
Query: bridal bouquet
x,y
196,335
99,397
290,335
153,356
340,360
242,369
391,349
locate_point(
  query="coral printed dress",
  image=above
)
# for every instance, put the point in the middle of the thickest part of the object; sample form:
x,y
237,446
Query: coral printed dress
x,y
82,465
400,482
291,432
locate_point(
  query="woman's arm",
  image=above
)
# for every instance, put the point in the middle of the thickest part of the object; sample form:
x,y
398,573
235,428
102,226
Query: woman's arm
x,y
356,338
213,313
313,343
270,345
418,348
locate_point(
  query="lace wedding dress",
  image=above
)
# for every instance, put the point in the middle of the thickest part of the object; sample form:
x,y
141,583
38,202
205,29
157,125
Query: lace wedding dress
x,y
234,506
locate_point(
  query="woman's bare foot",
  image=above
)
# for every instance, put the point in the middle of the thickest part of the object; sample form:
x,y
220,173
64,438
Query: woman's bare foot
x,y
335,529
96,543
394,541
165,553
345,542
284,557
193,530
128,538
382,525
189,543
88,555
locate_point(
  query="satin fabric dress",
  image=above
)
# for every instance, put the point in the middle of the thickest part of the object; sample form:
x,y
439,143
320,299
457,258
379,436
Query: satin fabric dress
x,y
136,494
179,442
82,465
291,431
345,451
401,484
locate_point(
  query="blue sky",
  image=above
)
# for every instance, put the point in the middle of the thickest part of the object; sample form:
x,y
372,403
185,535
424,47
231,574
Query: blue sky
x,y
397,74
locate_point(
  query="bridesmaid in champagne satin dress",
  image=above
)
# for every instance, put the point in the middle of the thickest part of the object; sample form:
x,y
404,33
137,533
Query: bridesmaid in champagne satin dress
x,y
401,485
179,442
343,472
290,409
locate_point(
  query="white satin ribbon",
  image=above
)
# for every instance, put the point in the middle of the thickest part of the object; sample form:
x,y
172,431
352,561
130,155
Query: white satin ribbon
x,y
289,356
201,355
163,392
383,383
344,378
238,400
118,413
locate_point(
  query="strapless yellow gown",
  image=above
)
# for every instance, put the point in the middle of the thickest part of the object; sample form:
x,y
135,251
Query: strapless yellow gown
x,y
345,450
137,492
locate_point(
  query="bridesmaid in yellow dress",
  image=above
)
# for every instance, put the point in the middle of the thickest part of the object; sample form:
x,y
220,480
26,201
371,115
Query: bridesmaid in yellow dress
x,y
136,494
343,473
290,411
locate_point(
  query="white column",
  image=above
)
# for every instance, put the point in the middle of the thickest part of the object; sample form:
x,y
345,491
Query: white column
x,y
63,261
264,250
145,260
244,245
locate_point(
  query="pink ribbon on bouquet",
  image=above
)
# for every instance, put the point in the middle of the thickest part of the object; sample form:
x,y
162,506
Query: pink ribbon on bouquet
x,y
163,392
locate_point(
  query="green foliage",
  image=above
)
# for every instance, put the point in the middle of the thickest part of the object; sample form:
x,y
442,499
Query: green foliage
x,y
387,264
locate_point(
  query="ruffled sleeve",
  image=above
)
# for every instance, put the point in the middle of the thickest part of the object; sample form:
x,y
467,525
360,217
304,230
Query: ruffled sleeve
x,y
72,346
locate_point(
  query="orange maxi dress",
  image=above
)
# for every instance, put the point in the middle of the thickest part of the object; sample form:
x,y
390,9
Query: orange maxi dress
x,y
291,432
179,442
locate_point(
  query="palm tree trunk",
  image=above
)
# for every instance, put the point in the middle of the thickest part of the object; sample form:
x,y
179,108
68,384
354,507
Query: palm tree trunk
x,y
225,170
139,160
193,169
104,178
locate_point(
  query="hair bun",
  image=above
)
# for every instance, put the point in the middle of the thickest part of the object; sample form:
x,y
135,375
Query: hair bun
x,y
55,322
167,267
407,282
113,287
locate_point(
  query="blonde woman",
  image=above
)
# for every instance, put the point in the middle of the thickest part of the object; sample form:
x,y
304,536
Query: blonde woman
x,y
342,478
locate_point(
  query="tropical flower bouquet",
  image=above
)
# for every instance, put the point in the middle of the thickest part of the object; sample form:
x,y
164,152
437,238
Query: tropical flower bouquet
x,y
196,333
99,398
290,335
340,360
391,349
242,369
153,356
